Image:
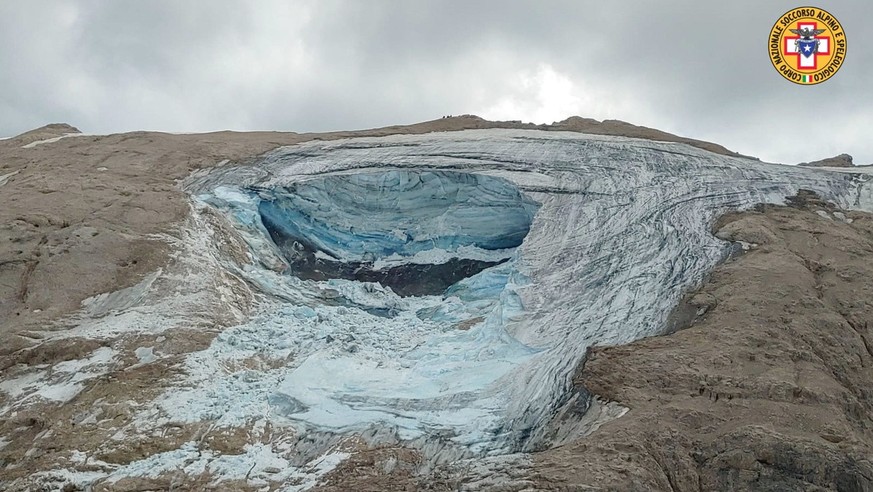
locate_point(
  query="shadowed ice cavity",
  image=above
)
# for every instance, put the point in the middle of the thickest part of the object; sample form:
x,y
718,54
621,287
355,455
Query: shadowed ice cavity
x,y
415,232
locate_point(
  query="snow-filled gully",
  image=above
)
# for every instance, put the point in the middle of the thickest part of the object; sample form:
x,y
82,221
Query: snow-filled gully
x,y
436,291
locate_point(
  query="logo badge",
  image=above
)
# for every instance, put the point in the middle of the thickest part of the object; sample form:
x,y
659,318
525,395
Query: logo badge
x,y
807,45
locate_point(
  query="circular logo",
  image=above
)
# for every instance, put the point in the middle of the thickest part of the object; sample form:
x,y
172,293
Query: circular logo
x,y
807,45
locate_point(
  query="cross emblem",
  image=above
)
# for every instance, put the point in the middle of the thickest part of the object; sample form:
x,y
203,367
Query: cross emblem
x,y
806,52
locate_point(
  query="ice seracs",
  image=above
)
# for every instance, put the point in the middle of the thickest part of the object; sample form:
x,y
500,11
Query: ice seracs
x,y
410,278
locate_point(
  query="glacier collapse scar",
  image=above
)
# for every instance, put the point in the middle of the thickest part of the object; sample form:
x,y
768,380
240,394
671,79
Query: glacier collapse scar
x,y
387,293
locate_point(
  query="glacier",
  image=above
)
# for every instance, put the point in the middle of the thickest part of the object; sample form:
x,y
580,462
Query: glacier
x,y
553,242
435,291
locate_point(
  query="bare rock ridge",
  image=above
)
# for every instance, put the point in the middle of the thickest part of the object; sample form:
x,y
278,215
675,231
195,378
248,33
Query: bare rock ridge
x,y
466,122
621,128
842,160
52,130
571,124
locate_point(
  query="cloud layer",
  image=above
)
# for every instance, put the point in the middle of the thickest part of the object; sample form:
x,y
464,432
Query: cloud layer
x,y
699,69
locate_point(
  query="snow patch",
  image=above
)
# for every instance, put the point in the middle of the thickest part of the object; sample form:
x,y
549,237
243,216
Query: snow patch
x,y
841,216
145,355
15,387
259,465
59,383
439,256
51,140
103,304
63,476
5,178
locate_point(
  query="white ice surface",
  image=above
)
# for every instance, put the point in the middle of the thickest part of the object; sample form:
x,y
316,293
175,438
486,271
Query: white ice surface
x,y
146,355
438,256
119,300
259,465
255,463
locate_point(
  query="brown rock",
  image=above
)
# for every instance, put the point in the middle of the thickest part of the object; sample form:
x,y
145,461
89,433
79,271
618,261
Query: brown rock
x,y
842,160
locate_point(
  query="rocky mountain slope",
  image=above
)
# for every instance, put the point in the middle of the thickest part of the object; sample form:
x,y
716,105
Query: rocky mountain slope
x,y
199,311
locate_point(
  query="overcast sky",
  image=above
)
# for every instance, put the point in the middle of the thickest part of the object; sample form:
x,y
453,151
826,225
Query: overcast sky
x,y
691,67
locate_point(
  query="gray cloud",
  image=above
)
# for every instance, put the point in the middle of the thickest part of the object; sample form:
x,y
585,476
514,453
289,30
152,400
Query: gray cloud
x,y
694,68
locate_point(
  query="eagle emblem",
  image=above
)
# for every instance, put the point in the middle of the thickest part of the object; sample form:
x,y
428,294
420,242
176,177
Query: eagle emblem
x,y
807,44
